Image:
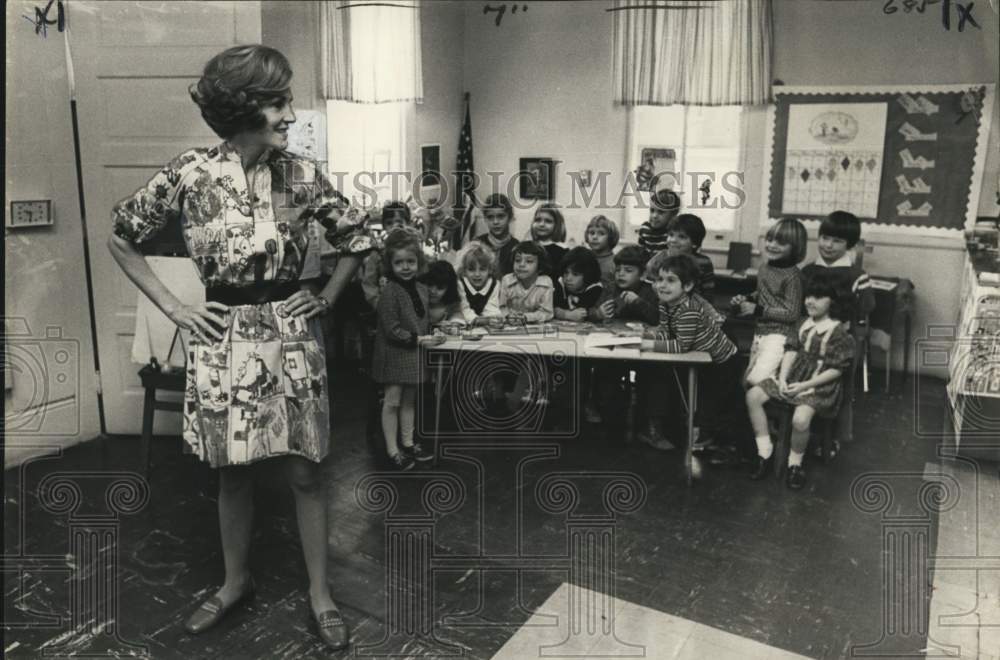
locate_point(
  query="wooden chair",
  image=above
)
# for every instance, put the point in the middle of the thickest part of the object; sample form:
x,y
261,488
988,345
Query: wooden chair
x,y
153,380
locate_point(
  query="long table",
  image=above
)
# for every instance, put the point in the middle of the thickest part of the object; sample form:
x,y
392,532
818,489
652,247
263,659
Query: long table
x,y
543,345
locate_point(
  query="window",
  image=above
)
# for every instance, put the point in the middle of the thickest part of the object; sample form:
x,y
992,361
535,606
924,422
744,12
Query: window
x,y
707,146
366,143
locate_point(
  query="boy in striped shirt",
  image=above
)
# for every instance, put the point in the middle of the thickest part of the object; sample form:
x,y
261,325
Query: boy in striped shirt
x,y
663,208
689,323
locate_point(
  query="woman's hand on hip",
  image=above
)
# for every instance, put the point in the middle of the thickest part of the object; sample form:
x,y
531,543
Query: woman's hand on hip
x,y
304,303
206,321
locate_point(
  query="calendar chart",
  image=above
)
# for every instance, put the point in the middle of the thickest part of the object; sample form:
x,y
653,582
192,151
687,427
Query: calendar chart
x,y
833,159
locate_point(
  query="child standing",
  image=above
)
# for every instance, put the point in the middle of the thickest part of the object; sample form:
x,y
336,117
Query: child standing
x,y
809,378
629,297
442,292
548,229
687,323
478,290
663,207
579,287
685,234
499,215
777,303
527,292
402,329
602,236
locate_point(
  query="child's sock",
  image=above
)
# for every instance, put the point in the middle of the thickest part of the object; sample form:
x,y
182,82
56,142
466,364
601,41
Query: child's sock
x,y
407,416
764,446
795,458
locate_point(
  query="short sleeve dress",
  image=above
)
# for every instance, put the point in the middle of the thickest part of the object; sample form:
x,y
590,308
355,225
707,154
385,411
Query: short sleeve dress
x,y
262,390
818,346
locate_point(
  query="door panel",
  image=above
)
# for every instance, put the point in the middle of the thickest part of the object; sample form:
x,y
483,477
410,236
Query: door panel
x,y
133,64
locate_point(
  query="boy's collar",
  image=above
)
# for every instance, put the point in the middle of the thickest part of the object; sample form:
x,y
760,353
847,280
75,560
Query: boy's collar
x,y
846,260
821,326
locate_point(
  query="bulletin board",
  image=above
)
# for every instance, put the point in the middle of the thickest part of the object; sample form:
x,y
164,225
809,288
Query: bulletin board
x,y
892,156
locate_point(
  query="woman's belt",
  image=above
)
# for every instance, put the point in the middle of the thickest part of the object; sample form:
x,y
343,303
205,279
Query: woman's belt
x,y
257,294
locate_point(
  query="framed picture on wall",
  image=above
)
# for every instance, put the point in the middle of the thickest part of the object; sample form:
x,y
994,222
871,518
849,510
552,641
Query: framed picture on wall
x,y
657,169
430,164
538,178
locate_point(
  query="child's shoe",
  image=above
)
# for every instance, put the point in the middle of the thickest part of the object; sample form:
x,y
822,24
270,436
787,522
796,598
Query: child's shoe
x,y
401,462
591,414
834,450
654,437
418,453
796,477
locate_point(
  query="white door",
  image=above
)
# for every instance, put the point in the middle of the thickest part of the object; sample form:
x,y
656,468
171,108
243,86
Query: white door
x,y
134,62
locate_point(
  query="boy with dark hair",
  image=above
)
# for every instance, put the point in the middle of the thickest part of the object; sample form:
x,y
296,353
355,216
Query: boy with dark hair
x,y
839,233
689,323
629,298
685,234
663,207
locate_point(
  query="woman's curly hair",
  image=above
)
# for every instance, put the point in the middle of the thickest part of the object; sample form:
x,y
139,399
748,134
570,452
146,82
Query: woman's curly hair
x,y
237,83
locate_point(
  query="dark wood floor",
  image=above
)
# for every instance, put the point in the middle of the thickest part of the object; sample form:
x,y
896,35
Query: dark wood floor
x,y
799,571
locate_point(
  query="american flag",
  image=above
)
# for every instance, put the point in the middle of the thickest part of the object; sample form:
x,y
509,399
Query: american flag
x,y
464,177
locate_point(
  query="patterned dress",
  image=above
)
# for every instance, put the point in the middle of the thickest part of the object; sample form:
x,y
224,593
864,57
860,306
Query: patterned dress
x,y
261,391
818,346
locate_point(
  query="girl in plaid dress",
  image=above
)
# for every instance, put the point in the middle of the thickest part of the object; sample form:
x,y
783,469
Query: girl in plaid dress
x,y
809,377
403,324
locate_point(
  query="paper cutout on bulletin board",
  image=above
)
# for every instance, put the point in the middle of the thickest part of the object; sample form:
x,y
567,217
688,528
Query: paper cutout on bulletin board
x,y
307,135
833,158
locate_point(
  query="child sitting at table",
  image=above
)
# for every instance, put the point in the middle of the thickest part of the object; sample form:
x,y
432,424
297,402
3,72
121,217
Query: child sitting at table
x,y
526,294
685,234
499,215
663,207
478,289
601,237
630,297
548,229
442,292
777,303
809,378
687,323
579,287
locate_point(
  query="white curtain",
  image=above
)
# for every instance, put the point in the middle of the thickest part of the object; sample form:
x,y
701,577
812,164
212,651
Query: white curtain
x,y
692,52
370,53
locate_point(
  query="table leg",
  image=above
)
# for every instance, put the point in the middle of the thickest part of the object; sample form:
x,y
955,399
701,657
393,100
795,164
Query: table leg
x,y
438,386
692,402
906,350
148,411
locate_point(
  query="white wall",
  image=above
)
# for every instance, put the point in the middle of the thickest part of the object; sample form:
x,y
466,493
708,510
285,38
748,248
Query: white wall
x,y
541,86
44,286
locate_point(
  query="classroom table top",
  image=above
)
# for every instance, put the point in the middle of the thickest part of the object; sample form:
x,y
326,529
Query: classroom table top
x,y
574,340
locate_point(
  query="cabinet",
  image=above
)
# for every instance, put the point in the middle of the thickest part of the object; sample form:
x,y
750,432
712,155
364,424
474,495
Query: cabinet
x,y
974,366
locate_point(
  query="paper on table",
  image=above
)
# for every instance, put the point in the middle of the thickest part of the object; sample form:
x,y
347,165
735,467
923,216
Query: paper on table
x,y
607,341
621,352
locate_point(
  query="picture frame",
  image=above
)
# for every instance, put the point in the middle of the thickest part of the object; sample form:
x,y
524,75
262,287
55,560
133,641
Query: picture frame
x,y
430,165
537,178
654,162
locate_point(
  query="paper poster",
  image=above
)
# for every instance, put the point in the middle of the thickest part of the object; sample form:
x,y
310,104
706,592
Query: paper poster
x,y
834,157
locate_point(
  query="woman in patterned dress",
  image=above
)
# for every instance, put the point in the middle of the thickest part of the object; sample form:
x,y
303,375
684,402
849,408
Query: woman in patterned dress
x,y
256,371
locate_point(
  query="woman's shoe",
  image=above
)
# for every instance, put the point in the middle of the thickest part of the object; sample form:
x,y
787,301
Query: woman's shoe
x,y
212,611
760,467
796,477
332,629
418,453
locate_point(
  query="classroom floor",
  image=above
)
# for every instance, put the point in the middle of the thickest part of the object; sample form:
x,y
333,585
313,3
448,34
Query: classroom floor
x,y
727,568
